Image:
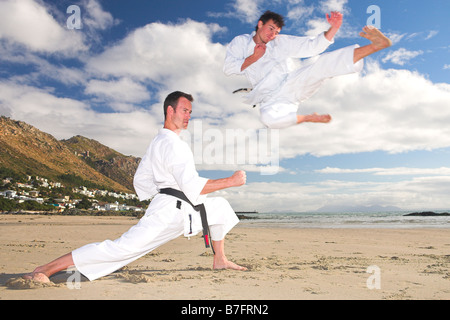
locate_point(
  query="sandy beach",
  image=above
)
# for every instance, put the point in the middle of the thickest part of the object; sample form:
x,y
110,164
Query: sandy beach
x,y
283,263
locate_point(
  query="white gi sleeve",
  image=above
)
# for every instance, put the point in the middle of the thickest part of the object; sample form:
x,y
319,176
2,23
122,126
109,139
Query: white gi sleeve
x,y
235,56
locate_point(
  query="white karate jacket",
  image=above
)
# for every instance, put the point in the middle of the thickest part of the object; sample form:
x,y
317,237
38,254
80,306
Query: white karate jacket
x,y
168,163
268,73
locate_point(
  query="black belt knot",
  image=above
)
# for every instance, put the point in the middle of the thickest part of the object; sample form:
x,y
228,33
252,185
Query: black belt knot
x,y
199,208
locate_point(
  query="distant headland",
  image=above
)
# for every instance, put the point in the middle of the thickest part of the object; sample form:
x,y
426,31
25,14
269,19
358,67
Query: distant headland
x,y
427,214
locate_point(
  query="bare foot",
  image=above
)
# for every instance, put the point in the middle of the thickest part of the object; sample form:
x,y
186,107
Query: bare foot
x,y
36,276
225,264
378,39
320,118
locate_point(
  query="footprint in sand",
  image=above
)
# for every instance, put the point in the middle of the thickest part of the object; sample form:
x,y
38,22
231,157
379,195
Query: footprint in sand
x,y
22,284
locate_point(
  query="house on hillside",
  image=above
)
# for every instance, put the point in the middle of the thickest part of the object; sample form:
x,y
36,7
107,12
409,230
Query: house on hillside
x,y
10,194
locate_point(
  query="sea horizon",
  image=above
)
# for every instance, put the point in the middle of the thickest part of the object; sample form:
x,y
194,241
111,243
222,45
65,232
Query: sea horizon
x,y
312,219
380,219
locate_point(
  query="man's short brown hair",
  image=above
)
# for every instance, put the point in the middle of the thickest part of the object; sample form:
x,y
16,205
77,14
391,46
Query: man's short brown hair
x,y
269,15
172,100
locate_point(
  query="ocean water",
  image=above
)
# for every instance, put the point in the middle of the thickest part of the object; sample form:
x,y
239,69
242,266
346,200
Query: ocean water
x,y
344,220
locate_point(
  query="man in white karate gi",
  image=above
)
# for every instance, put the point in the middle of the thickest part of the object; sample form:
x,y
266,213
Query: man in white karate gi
x,y
263,57
168,163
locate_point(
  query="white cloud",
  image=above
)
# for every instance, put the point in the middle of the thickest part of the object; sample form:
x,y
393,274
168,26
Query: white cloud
x,y
159,51
248,10
443,171
317,24
300,12
418,193
168,57
95,20
126,132
39,27
401,56
163,57
28,23
388,110
42,108
431,34
95,17
123,90
275,196
397,37
327,6
42,68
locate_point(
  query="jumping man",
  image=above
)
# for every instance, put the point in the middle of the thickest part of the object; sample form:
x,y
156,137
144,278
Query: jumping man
x,y
263,58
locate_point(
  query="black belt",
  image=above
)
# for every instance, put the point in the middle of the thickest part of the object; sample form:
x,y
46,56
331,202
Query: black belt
x,y
200,208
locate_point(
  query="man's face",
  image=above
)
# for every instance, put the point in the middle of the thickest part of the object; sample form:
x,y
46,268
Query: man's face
x,y
267,31
182,114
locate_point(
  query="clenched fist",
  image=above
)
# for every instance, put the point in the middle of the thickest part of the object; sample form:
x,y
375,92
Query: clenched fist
x,y
260,50
239,178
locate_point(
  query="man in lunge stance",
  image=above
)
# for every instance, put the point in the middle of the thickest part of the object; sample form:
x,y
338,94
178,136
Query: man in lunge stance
x,y
263,58
167,170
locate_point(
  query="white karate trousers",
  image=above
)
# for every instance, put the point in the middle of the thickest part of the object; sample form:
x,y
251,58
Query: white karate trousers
x,y
162,222
280,110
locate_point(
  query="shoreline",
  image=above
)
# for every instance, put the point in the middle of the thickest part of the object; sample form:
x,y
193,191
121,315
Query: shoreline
x,y
284,264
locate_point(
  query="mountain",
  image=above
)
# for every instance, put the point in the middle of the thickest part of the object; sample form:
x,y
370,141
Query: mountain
x,y
27,150
105,160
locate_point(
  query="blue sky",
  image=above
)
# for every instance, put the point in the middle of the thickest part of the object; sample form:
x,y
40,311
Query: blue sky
x,y
388,143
